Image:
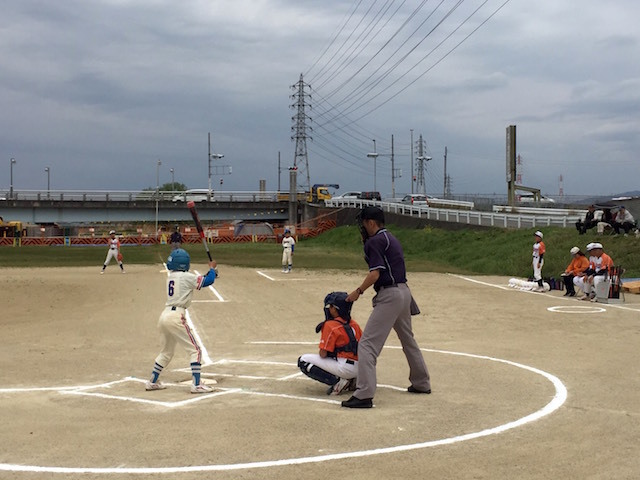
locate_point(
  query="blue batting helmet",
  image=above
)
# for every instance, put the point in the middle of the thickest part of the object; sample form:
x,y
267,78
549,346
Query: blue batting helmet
x,y
179,260
338,300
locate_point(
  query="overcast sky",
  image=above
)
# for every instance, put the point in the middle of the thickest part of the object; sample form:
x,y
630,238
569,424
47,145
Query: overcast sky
x,y
100,90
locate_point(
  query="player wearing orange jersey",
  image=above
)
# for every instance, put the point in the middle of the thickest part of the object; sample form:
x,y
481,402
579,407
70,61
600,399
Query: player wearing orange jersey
x,y
579,263
336,363
600,265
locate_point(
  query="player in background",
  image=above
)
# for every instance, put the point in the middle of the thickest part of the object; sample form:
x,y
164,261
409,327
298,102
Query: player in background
x,y
114,252
288,245
336,363
176,238
538,260
173,323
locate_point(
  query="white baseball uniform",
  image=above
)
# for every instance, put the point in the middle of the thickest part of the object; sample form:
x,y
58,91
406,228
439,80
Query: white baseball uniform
x,y
112,253
288,244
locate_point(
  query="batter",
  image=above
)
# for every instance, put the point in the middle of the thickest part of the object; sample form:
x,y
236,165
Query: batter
x,y
173,324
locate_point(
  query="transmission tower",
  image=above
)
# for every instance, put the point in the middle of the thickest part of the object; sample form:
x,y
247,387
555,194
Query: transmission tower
x,y
421,167
299,129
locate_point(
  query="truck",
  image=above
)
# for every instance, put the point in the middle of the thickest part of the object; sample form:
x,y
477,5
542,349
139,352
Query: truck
x,y
318,193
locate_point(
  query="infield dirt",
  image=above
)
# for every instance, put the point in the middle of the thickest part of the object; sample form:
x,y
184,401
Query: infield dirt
x,y
76,347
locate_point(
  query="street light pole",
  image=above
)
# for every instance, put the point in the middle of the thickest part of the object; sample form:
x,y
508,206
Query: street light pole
x,y
173,181
48,170
157,194
393,172
13,160
210,156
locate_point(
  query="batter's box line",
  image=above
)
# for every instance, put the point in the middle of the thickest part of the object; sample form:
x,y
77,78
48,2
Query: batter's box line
x,y
201,397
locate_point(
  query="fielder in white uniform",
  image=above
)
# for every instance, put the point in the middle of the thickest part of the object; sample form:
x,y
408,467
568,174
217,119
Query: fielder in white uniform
x,y
538,260
173,324
114,250
288,245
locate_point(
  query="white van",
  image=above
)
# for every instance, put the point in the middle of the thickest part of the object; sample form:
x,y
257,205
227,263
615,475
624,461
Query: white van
x,y
193,195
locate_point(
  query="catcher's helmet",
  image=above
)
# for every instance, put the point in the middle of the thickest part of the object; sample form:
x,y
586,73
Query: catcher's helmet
x,y
179,260
338,300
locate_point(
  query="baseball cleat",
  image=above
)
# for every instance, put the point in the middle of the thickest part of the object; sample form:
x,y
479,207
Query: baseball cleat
x,y
202,388
154,386
338,387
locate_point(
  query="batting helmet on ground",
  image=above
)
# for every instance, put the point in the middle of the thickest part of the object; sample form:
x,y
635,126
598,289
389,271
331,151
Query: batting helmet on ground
x,y
179,260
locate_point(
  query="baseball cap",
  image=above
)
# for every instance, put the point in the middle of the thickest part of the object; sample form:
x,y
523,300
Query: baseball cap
x,y
596,245
574,250
539,234
112,232
372,213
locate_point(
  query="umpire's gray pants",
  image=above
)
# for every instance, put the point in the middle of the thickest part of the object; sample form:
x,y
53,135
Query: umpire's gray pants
x,y
391,309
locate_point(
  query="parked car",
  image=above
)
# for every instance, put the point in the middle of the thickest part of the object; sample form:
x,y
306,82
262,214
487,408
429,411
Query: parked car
x,y
346,195
529,199
371,196
415,199
195,195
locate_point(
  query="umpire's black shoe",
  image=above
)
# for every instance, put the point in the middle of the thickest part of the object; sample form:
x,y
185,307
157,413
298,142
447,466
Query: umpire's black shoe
x,y
413,389
355,402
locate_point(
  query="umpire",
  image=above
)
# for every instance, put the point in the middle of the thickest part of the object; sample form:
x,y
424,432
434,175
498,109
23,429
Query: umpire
x,y
392,308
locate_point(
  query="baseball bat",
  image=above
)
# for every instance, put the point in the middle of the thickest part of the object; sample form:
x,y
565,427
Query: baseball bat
x,y
192,208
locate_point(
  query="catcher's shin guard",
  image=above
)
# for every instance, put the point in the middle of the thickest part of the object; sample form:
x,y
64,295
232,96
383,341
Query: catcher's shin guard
x,y
312,371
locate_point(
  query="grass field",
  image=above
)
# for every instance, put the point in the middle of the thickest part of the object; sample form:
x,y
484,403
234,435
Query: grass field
x,y
489,252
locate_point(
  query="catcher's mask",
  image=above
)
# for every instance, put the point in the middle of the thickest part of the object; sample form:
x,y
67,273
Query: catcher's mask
x,y
339,301
179,260
369,213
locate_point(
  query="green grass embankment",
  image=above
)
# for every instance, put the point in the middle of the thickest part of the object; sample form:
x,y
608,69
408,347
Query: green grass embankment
x,y
490,252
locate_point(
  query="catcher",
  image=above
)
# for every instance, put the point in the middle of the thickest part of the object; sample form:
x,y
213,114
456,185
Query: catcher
x,y
114,252
336,363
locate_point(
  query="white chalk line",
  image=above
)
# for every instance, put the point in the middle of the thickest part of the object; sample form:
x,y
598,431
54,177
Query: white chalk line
x,y
557,401
565,299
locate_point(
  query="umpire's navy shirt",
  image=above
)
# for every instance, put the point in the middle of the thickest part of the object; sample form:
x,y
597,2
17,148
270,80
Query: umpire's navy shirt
x,y
383,252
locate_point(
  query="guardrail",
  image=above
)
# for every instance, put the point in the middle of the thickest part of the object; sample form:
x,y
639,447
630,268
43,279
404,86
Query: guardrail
x,y
539,211
131,196
470,217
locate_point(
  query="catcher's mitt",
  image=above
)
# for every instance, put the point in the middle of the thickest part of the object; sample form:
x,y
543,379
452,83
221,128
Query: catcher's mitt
x,y
119,257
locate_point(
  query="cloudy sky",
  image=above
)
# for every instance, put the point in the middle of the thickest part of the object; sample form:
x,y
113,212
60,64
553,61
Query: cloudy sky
x,y
99,91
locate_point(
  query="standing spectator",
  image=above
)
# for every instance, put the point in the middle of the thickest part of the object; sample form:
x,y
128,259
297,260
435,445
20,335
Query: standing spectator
x,y
176,239
624,220
589,220
579,263
393,306
538,260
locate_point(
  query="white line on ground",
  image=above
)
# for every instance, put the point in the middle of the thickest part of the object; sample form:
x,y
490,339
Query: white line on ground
x,y
557,401
567,299
265,275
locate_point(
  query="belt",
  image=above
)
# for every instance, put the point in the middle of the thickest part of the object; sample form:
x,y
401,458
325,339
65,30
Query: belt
x,y
175,307
351,362
382,287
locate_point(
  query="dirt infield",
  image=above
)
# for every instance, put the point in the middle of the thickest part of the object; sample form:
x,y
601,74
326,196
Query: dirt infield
x,y
525,385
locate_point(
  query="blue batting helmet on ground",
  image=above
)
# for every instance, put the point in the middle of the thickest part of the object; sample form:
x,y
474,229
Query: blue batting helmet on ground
x,y
179,260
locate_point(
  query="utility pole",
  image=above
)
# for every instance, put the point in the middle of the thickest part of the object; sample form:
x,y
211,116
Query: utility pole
x,y
412,160
393,172
279,170
444,188
299,128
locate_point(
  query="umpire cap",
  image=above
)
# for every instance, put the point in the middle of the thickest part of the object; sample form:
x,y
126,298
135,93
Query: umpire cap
x,y
372,213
